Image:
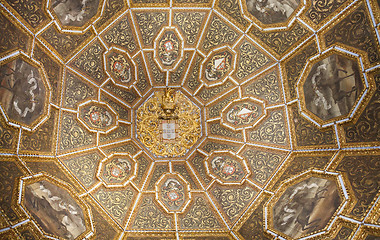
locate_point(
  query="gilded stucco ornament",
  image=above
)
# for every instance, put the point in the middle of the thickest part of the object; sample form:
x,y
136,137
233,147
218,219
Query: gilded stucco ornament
x,y
168,123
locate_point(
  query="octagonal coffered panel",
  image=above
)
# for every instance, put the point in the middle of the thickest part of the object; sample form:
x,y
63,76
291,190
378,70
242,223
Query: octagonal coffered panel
x,y
331,87
272,13
169,48
74,14
168,123
173,192
117,170
306,205
219,64
121,68
227,167
97,116
25,91
55,208
243,113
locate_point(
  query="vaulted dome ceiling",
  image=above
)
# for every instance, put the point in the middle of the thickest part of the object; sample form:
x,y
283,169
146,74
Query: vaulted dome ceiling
x,y
189,119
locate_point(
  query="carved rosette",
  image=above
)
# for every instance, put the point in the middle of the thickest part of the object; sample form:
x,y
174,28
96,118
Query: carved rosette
x,y
168,137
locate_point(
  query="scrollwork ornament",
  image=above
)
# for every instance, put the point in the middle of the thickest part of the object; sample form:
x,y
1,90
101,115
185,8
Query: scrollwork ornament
x,y
271,131
90,61
116,203
150,217
218,33
150,24
200,216
121,35
189,23
149,123
250,60
266,87
321,9
233,201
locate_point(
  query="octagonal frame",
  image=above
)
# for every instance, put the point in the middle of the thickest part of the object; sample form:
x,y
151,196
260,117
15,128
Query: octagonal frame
x,y
108,71
202,137
125,182
247,126
235,156
342,191
301,95
275,26
82,28
46,108
181,48
97,130
209,57
69,189
186,187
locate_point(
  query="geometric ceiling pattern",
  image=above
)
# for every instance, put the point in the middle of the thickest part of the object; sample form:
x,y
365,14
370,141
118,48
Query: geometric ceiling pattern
x,y
190,119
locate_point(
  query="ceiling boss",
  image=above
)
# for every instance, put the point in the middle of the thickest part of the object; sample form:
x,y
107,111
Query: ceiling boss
x,y
168,123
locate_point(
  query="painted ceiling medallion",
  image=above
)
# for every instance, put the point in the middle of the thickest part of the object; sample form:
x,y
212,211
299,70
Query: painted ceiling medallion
x,y
97,116
218,66
172,192
305,205
243,113
332,87
55,209
168,124
121,68
169,48
74,13
227,167
271,12
117,170
24,91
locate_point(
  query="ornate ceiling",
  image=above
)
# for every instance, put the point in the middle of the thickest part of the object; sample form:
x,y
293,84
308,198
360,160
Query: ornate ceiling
x,y
189,119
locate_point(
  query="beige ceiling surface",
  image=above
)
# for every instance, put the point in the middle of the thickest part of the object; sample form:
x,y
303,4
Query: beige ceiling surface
x,y
270,129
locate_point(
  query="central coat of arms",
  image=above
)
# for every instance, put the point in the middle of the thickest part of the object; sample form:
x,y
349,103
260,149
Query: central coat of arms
x,y
168,123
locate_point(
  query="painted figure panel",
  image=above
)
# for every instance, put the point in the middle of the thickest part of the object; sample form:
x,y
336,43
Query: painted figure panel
x,y
272,11
22,91
74,13
332,87
54,210
306,207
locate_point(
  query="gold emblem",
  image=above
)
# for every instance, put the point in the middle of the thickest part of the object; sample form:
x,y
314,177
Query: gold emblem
x,y
168,123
